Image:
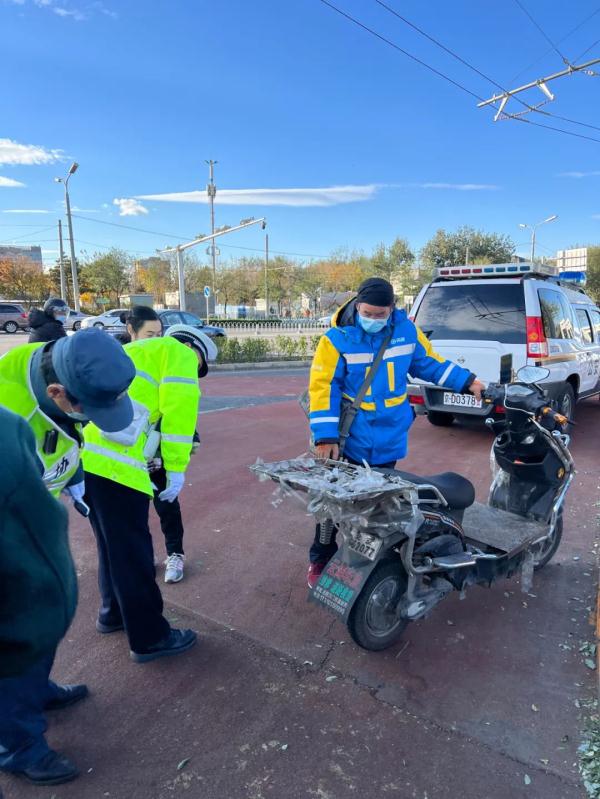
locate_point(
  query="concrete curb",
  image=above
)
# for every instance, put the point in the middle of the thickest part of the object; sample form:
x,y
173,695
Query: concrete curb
x,y
238,367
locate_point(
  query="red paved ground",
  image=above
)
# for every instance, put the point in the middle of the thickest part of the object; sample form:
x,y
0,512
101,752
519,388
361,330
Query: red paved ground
x,y
447,713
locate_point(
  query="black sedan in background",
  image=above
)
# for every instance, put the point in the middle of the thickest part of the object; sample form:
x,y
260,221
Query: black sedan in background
x,y
169,318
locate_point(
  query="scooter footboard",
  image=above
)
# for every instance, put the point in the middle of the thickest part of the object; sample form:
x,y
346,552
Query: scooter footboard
x,y
506,532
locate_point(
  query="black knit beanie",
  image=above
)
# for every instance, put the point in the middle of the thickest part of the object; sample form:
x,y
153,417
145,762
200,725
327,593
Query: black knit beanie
x,y
376,291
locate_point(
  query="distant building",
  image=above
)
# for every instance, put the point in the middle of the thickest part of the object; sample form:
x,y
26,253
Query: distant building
x,y
32,253
575,260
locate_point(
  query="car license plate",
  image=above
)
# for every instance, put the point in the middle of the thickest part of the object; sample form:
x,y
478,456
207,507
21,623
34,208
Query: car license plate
x,y
365,544
464,400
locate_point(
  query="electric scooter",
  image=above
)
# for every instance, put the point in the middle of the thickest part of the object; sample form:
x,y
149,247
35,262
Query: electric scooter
x,y
408,541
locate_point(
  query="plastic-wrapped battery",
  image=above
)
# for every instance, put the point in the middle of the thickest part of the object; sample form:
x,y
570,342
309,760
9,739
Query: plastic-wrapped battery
x,y
527,573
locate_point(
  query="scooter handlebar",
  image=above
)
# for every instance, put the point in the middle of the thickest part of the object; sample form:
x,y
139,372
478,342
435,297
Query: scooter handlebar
x,y
559,418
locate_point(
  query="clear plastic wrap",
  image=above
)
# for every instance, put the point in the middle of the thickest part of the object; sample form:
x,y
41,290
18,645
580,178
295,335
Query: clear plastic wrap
x,y
350,496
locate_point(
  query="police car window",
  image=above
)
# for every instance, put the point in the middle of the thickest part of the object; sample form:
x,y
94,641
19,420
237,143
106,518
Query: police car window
x,y
556,315
585,326
190,319
474,311
595,317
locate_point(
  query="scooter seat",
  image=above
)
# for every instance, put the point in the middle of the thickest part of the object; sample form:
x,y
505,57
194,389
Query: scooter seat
x,y
458,492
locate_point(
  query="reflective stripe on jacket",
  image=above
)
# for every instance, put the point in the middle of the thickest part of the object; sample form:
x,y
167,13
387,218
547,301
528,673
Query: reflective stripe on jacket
x,y
344,354
17,395
164,390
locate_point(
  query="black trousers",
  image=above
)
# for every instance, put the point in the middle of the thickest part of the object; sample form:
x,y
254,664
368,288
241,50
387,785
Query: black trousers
x,y
126,576
169,514
322,553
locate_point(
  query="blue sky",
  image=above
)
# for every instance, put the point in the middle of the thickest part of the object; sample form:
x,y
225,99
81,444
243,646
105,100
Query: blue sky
x,y
290,95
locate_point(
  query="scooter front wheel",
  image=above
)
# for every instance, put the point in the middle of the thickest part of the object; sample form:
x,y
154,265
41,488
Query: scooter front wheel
x,y
374,623
545,551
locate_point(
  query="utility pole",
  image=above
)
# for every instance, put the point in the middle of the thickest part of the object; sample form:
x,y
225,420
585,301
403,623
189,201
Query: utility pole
x,y
266,275
211,190
63,282
65,181
467,256
180,279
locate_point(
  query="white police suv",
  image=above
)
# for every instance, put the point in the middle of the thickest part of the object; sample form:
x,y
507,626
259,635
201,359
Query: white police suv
x,y
495,319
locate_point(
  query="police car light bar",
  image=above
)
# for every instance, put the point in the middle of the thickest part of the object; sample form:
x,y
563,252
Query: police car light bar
x,y
492,270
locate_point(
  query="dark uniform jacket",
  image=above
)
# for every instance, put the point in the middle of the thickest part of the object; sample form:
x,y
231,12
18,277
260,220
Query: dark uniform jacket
x,y
44,327
38,584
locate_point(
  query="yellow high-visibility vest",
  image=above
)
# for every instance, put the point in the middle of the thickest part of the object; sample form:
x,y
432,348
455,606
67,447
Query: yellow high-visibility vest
x,y
164,391
17,395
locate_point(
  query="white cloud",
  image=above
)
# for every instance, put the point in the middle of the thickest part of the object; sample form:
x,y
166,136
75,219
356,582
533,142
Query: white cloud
x,y
459,186
595,216
65,9
593,173
129,207
330,195
25,211
13,153
9,183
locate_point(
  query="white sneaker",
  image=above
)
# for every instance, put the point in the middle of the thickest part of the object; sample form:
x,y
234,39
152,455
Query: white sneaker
x,y
174,570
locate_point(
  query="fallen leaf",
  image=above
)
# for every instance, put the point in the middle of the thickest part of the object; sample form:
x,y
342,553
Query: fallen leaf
x,y
591,664
331,678
284,747
544,760
183,763
535,708
527,779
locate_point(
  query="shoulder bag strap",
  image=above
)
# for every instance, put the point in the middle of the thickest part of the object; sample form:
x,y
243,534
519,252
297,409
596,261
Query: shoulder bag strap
x,y
349,414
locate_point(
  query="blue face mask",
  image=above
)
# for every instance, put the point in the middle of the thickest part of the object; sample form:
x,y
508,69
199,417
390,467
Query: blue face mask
x,y
371,325
60,318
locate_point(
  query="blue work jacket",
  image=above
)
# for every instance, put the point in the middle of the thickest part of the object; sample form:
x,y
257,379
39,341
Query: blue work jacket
x,y
379,433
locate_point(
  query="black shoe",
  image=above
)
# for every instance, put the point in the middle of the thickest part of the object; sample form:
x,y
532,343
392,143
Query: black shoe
x,y
177,641
52,769
68,695
108,628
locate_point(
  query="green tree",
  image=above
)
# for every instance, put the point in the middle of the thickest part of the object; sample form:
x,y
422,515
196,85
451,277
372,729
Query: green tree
x,y
107,274
21,279
593,272
479,246
54,279
386,262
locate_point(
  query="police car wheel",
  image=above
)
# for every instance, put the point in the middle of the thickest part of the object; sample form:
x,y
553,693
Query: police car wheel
x,y
566,401
440,419
373,622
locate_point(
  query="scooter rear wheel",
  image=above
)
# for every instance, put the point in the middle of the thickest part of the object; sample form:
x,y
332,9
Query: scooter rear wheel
x,y
373,622
547,549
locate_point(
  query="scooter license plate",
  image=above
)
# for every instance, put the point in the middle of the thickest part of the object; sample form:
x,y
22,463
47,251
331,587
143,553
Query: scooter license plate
x,y
463,400
365,544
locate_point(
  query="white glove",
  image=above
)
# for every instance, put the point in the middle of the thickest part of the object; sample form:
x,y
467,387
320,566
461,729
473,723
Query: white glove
x,y
175,481
76,491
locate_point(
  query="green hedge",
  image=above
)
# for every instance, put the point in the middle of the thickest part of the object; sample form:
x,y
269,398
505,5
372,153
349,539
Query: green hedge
x,y
251,350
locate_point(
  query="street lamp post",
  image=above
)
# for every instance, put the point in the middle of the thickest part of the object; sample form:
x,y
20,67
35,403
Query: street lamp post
x,y
533,229
65,181
179,248
211,190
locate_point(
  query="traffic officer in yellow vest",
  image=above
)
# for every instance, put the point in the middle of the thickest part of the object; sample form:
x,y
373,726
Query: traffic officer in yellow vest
x,y
58,385
119,489
54,387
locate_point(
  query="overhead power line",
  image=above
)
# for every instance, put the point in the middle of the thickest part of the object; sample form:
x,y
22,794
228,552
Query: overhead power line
x,y
542,31
450,80
560,41
399,49
181,237
482,74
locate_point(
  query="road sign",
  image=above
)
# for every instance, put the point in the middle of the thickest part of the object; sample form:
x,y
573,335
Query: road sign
x,y
207,291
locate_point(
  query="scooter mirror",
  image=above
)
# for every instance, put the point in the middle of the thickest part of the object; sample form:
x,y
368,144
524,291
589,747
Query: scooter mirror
x,y
532,374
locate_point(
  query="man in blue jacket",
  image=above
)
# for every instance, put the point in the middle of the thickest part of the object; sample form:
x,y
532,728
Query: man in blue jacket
x,y
379,433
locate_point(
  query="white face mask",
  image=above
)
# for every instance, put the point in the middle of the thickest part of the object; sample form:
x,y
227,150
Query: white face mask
x,y
78,417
